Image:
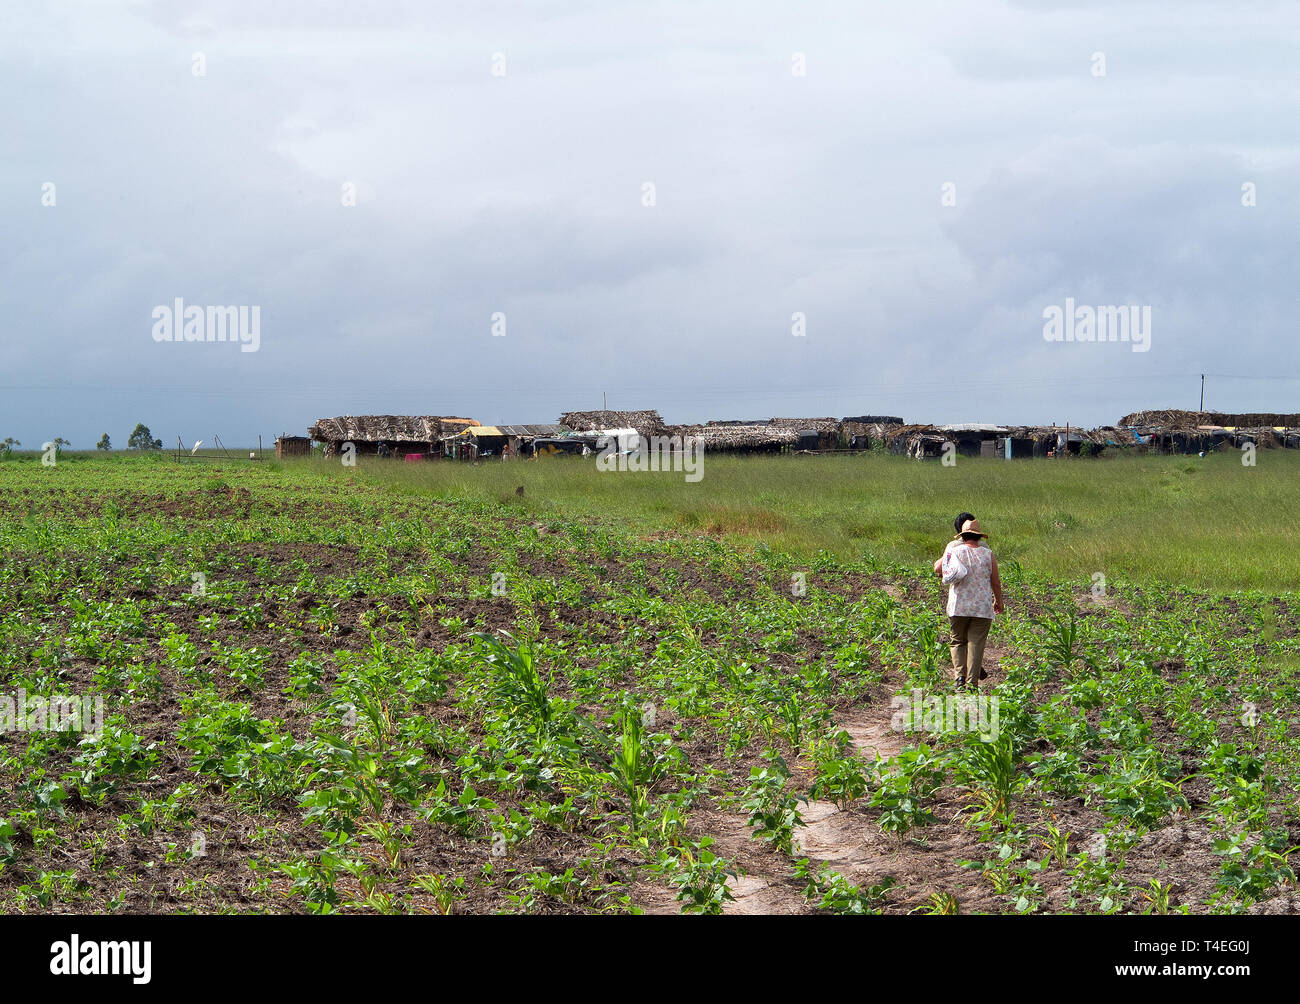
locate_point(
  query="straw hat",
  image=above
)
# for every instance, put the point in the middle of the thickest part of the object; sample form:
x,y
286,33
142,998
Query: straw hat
x,y
970,526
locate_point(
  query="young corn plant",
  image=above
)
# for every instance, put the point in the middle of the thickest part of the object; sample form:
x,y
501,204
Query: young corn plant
x,y
1058,843
930,648
942,904
519,681
990,770
445,891
1157,895
1063,644
632,768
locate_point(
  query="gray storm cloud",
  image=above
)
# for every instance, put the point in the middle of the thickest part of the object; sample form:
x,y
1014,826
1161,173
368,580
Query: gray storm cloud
x,y
523,193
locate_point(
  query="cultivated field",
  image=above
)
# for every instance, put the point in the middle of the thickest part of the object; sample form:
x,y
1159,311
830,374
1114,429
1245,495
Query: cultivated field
x,y
308,706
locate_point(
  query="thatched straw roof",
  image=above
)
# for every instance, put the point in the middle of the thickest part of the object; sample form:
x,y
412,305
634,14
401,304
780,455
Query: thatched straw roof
x,y
806,424
1172,418
647,423
873,420
1049,433
872,431
1264,437
389,428
721,438
909,430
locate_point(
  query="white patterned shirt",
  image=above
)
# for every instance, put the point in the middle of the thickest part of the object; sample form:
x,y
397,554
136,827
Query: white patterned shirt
x,y
971,595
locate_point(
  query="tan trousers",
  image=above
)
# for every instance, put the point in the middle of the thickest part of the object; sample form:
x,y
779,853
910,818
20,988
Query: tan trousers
x,y
969,635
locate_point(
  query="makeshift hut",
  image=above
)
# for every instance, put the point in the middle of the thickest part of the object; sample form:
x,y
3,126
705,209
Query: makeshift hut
x,y
1174,431
971,437
813,433
559,446
521,438
873,420
1174,418
901,439
926,445
501,441
475,443
646,423
388,434
732,438
867,431
292,446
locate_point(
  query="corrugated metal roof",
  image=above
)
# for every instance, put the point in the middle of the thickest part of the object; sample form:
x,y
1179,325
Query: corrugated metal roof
x,y
549,429
535,429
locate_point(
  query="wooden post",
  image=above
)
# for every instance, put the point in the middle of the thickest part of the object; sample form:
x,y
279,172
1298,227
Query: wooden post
x,y
259,447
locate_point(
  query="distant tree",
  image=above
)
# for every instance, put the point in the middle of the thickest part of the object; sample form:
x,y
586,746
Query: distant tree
x,y
9,443
104,443
59,444
142,439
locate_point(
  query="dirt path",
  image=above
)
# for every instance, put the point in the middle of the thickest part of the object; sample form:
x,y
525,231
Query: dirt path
x,y
841,838
849,840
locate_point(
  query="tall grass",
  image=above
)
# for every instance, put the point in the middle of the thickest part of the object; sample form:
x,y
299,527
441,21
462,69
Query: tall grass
x,y
1208,522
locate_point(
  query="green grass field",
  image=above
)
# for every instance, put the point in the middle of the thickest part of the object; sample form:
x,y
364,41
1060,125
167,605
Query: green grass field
x,y
1208,522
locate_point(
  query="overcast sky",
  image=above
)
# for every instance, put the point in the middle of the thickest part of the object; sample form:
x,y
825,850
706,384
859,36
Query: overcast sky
x,y
500,154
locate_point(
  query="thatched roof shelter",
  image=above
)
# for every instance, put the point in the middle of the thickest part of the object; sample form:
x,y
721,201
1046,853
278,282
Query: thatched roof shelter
x,y
1173,418
1051,433
646,423
292,446
862,433
806,424
826,431
387,428
872,420
731,438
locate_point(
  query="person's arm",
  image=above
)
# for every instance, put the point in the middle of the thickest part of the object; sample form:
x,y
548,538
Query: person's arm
x,y
997,588
938,565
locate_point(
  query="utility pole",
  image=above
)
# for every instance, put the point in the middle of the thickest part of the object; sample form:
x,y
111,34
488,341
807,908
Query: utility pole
x,y
1202,392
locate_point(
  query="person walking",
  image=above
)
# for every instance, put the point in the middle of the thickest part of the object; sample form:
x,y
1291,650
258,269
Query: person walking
x,y
974,597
